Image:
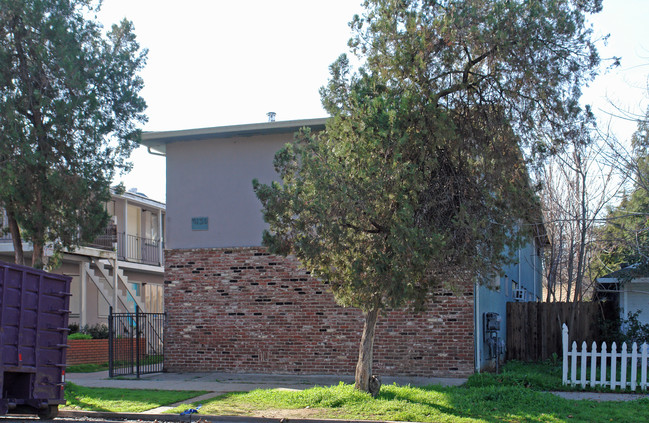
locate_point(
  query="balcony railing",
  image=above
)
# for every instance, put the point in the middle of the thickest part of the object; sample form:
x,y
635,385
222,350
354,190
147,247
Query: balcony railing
x,y
138,249
129,247
105,240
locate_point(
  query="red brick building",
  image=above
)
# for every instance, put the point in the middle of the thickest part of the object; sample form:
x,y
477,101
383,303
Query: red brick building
x,y
233,307
241,309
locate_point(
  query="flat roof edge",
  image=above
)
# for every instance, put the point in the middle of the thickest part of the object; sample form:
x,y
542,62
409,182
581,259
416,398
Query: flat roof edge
x,y
156,140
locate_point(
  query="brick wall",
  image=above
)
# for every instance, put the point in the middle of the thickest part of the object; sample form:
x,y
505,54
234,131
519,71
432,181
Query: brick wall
x,y
95,351
243,310
87,351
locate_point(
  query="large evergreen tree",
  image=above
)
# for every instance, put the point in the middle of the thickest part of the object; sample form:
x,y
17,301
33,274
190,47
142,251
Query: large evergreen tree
x,y
69,110
418,179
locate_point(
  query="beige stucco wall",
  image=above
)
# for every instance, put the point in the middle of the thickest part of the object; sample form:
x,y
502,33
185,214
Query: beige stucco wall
x,y
213,179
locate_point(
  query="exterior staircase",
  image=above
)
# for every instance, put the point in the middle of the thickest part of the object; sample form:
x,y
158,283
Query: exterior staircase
x,y
104,283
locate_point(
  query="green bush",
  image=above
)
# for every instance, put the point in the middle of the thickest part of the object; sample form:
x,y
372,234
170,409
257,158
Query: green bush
x,y
78,335
98,331
629,330
634,331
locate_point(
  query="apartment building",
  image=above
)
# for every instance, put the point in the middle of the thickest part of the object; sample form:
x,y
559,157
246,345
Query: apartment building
x,y
129,255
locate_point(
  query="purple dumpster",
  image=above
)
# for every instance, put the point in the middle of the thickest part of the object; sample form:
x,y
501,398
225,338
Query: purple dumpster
x,y
34,308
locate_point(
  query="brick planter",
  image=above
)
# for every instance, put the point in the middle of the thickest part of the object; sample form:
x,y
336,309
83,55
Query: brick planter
x,y
87,351
95,351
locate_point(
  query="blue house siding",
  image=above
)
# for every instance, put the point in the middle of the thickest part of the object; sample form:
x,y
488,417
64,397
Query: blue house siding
x,y
523,278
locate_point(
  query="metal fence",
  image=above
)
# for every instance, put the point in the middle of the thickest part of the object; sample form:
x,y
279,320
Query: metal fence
x,y
106,240
131,248
135,343
138,249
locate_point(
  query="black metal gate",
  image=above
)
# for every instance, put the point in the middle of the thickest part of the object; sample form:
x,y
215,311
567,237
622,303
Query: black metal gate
x,y
135,343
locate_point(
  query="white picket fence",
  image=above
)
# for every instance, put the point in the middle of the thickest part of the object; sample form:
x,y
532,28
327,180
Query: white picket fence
x,y
614,360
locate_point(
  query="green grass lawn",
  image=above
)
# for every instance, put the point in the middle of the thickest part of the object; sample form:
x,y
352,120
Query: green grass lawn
x,y
515,395
90,368
86,368
427,404
545,376
121,400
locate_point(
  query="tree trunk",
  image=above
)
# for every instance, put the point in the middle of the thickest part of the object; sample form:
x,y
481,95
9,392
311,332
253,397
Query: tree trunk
x,y
365,352
19,256
38,255
38,237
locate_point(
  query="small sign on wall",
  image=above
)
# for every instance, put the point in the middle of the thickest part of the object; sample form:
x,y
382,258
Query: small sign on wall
x,y
199,223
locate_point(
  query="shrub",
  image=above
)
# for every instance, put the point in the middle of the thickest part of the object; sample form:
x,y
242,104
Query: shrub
x,y
78,335
98,331
633,330
628,330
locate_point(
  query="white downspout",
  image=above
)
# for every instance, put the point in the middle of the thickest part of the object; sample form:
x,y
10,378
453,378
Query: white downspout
x,y
125,253
161,237
83,271
534,263
520,282
115,284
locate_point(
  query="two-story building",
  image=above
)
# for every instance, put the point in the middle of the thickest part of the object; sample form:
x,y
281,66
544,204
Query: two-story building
x,y
231,306
129,256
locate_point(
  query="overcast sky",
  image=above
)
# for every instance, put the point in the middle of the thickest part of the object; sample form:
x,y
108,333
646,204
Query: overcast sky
x,y
214,63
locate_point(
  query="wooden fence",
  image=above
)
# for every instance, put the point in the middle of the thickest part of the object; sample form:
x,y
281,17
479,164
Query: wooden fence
x,y
534,329
624,364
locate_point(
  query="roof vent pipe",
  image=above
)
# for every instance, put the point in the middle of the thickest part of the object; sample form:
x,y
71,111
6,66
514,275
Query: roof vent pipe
x,y
271,116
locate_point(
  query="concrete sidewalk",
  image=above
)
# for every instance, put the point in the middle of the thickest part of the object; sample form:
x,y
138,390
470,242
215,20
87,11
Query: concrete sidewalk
x,y
220,383
599,396
229,382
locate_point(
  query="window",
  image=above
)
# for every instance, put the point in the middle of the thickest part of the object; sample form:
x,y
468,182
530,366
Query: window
x,y
493,283
155,227
514,286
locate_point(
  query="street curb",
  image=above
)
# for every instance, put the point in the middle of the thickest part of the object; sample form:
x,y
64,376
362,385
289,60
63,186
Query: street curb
x,y
196,417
